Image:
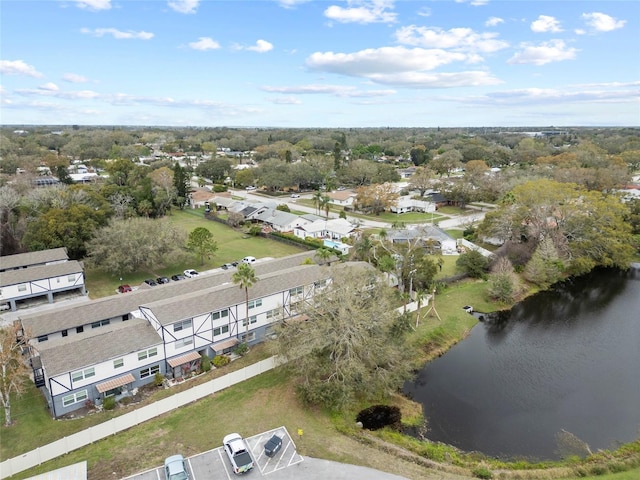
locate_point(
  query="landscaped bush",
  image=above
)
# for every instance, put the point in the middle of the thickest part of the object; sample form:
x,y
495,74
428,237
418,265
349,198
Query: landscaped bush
x,y
158,379
255,230
109,403
379,416
482,472
219,188
205,363
241,349
220,361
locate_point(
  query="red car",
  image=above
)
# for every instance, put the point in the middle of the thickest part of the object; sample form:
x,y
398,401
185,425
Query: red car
x,y
124,288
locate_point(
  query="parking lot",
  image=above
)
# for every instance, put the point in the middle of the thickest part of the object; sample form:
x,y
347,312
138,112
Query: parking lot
x,y
215,463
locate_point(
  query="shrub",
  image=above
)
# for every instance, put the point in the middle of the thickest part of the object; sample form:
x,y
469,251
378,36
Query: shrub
x,y
255,230
158,379
379,416
482,472
205,363
109,403
219,188
220,361
241,349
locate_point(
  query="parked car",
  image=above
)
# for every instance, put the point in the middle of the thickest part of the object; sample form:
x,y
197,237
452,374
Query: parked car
x,y
190,273
151,282
177,277
273,446
124,288
234,264
238,453
249,260
161,280
175,468
295,195
250,187
227,266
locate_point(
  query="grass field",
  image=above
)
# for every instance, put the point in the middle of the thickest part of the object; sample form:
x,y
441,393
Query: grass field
x,y
233,245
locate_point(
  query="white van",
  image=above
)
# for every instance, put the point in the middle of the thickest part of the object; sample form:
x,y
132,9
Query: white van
x,y
249,260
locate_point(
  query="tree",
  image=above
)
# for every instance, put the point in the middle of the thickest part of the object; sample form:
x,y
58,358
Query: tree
x,y
244,177
504,284
446,162
181,182
473,263
376,198
475,170
215,169
324,255
202,242
419,155
421,180
125,246
345,350
245,278
14,373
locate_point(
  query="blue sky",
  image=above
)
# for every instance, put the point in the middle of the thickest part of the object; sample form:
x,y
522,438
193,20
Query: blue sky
x,y
307,63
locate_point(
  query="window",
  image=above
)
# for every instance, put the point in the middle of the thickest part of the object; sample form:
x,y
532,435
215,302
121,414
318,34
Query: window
x,y
71,278
125,317
43,338
273,313
79,329
321,283
221,330
100,323
148,353
183,342
82,374
296,291
252,319
118,363
22,288
220,314
146,372
74,398
255,303
64,333
249,338
181,325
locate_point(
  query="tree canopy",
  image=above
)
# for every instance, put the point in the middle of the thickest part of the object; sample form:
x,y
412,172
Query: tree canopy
x,y
350,347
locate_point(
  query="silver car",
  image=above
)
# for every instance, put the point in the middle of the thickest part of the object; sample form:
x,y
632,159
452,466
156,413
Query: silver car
x,y
175,468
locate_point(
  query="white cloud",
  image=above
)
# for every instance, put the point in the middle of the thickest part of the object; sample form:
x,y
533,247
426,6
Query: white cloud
x,y
601,22
118,34
475,3
335,90
49,87
205,43
360,11
18,67
93,4
537,96
286,101
464,39
74,78
261,46
493,21
545,23
546,52
436,80
382,60
184,6
424,12
291,3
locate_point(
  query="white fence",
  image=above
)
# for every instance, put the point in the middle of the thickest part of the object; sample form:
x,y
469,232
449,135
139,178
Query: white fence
x,y
111,427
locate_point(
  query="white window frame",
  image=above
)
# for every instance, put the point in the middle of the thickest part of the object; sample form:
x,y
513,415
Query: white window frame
x,y
255,303
83,374
252,319
152,352
80,396
220,330
150,370
275,313
22,288
296,291
220,314
183,325
118,363
183,342
250,338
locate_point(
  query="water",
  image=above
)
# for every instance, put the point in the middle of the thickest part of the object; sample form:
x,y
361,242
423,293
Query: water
x,y
567,359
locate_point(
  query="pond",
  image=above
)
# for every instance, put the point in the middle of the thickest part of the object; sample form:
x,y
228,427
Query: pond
x,y
557,373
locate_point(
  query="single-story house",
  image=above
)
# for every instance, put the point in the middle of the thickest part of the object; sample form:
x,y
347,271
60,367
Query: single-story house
x,y
343,198
428,236
280,221
334,228
406,204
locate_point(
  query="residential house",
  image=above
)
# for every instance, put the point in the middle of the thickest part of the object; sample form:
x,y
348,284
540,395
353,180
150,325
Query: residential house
x,y
333,229
406,204
428,236
280,221
38,274
111,346
344,198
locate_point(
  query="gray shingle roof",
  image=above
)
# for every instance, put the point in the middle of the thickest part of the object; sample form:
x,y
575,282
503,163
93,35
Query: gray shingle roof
x,y
111,341
33,258
41,272
172,309
72,316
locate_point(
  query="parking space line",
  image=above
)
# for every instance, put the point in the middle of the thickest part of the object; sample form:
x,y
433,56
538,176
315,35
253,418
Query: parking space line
x,y
224,463
193,473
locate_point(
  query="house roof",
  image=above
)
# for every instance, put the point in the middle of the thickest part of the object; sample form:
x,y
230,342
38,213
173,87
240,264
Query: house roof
x,y
40,272
277,217
173,309
425,232
71,316
33,258
97,345
341,195
337,225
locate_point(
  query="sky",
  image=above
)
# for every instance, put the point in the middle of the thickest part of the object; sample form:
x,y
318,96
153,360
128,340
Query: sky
x,y
324,64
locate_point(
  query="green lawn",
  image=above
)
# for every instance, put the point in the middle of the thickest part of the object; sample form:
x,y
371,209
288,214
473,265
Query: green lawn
x,y
232,245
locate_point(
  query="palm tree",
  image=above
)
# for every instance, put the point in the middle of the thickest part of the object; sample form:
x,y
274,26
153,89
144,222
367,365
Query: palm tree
x,y
325,203
245,277
324,255
317,200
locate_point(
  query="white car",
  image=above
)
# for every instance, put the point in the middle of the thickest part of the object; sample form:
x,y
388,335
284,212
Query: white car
x,y
295,195
175,468
190,273
250,187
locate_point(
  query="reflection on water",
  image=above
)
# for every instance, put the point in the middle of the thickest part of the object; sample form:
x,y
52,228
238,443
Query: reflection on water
x,y
557,374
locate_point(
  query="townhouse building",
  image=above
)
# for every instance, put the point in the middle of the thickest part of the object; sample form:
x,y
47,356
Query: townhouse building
x,y
111,346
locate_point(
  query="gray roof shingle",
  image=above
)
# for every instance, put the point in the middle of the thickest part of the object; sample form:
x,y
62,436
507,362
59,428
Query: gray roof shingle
x,y
40,272
33,258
